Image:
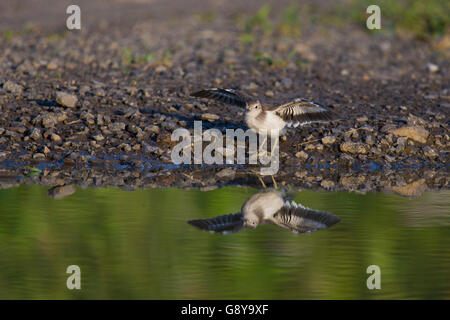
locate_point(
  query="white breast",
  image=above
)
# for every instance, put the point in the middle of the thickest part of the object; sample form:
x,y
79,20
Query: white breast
x,y
272,124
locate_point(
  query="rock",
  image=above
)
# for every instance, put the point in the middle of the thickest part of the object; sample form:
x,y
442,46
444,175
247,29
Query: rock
x,y
414,120
35,134
13,87
98,137
117,126
39,156
432,67
362,119
52,65
354,147
60,192
327,184
302,155
226,173
415,133
66,99
55,138
369,140
414,189
152,129
210,117
430,152
328,140
269,93
352,182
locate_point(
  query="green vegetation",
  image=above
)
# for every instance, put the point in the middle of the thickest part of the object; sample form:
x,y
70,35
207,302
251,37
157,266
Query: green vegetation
x,y
8,34
425,19
290,23
138,245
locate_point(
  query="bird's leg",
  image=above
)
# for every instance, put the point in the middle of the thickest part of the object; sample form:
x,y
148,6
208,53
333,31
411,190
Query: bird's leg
x,y
261,180
274,182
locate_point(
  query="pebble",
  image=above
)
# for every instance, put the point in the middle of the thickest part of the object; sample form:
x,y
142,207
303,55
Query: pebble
x,y
354,147
328,140
430,152
60,192
66,99
432,67
415,133
13,87
211,117
226,173
55,138
35,134
302,155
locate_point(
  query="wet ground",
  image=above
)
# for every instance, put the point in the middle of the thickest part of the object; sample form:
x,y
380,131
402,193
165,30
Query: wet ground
x,y
110,95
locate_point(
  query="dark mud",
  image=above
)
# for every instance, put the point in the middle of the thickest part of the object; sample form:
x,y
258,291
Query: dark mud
x,y
97,107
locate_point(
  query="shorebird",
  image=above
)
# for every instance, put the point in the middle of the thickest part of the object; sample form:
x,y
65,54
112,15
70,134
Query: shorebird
x,y
269,207
270,119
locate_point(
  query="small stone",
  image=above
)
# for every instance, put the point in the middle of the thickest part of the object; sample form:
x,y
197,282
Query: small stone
x,y
362,119
98,137
60,192
55,138
66,99
302,155
432,67
413,189
152,129
327,184
117,126
13,87
38,156
430,152
415,133
370,140
328,140
226,173
160,68
211,117
52,65
269,93
354,147
35,134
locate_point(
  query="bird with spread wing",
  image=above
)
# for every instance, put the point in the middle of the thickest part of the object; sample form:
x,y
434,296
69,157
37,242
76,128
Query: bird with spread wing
x,y
271,119
269,207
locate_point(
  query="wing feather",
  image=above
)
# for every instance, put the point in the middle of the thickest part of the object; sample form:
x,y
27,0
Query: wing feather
x,y
302,111
228,96
299,219
224,224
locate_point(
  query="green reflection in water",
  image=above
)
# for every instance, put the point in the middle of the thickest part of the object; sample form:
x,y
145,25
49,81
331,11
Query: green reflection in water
x,y
137,245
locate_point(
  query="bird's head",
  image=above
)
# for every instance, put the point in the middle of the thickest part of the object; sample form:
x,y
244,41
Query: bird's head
x,y
251,222
253,106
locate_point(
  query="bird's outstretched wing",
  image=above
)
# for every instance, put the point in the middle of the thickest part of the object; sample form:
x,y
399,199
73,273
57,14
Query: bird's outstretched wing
x,y
299,219
302,111
224,224
228,96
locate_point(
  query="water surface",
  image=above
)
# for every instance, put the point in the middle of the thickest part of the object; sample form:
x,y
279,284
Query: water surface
x,y
138,245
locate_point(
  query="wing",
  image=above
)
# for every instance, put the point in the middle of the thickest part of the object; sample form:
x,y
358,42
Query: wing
x,y
302,111
228,96
299,219
224,224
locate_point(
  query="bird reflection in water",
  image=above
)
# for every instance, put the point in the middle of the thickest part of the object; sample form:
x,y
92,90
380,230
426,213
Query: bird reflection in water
x,y
269,207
